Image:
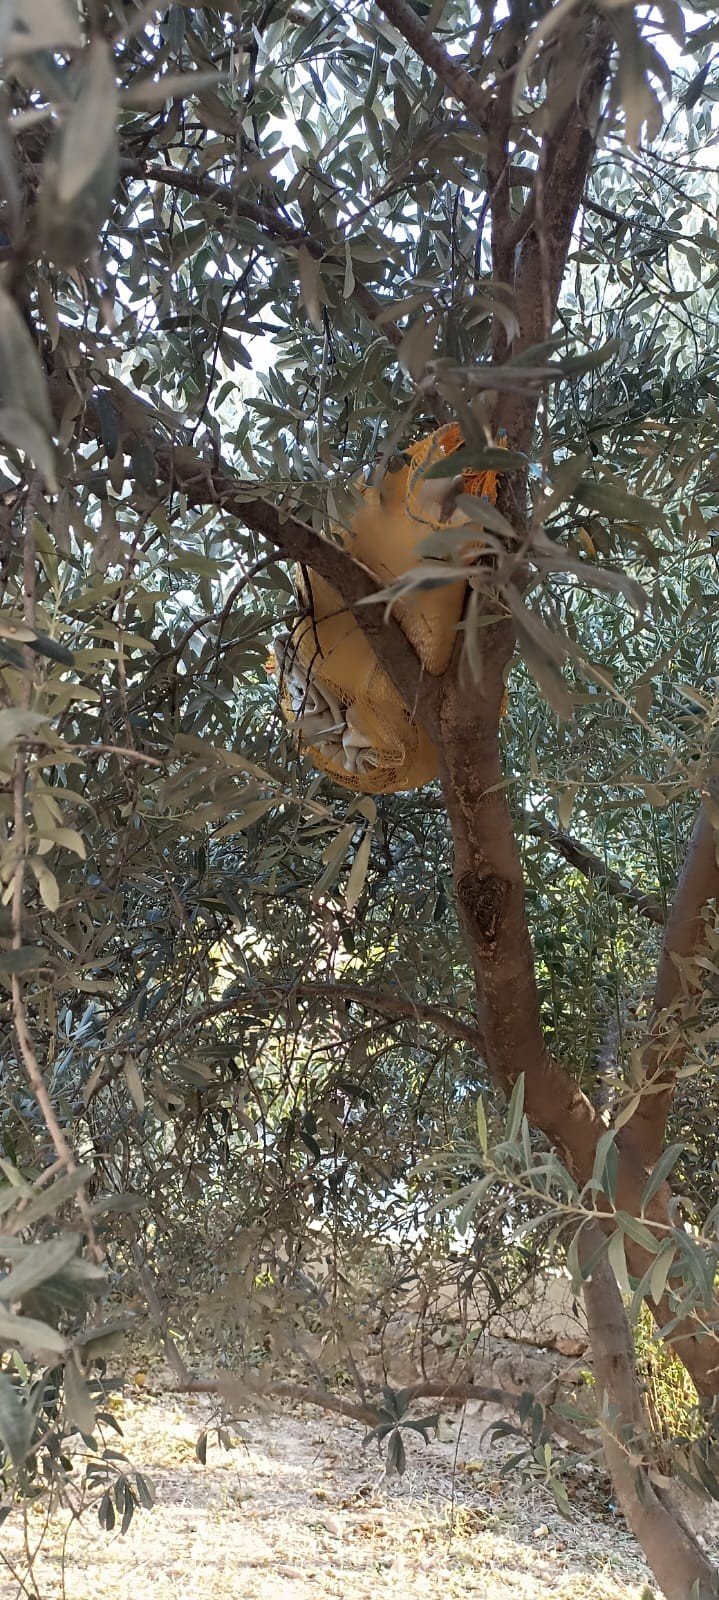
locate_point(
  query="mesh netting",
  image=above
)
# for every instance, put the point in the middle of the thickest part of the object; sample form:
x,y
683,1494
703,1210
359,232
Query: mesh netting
x,y
349,719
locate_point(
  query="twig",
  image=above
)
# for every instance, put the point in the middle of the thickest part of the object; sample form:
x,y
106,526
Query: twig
x,y
27,1051
125,751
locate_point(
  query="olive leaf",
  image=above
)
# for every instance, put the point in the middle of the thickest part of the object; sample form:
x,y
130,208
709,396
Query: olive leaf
x,y
25,416
80,168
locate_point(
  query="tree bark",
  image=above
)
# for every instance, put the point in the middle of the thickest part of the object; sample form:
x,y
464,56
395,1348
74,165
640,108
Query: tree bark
x,y
666,1047
669,1544
490,898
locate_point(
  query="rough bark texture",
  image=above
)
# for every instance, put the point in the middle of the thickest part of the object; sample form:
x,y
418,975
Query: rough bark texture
x,y
490,896
488,875
676,1558
665,1048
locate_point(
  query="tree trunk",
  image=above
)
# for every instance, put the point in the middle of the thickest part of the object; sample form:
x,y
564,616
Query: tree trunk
x,y
677,1560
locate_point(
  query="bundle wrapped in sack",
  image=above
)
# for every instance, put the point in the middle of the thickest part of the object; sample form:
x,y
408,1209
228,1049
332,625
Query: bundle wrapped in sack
x,y
348,717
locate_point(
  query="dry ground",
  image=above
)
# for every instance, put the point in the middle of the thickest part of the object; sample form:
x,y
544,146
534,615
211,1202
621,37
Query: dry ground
x,y
299,1510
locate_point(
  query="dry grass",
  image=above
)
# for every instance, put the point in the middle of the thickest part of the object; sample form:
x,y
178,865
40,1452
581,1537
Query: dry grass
x,y
298,1510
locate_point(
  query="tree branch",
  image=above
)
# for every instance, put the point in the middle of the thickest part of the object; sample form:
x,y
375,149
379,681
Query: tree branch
x,y
395,1007
267,218
354,583
457,81
184,469
678,1560
563,169
488,868
592,866
666,1044
490,898
235,1391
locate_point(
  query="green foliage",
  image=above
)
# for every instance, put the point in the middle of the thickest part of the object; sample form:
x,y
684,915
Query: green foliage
x,y
671,1396
245,254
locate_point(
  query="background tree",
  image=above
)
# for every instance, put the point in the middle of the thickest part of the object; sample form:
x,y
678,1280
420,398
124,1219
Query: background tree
x,y
211,958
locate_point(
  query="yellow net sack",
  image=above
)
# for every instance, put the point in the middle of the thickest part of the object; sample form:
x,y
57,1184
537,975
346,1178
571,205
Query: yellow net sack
x,y
348,717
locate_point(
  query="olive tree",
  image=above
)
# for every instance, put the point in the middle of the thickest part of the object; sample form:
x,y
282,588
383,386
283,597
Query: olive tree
x,y
402,215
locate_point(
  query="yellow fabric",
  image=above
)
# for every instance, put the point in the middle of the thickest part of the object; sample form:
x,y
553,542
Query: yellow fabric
x,y
428,452
328,650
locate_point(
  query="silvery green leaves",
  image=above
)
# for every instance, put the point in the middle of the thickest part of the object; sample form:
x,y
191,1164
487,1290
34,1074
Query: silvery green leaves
x,y
545,648
80,169
639,61
25,417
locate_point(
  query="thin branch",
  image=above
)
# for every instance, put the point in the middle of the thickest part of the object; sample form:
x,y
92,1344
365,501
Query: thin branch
x,y
28,1056
270,221
170,1347
399,1007
457,81
235,1391
593,866
395,1007
124,751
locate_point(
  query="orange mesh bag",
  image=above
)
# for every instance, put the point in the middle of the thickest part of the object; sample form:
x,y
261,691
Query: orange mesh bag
x,y
349,719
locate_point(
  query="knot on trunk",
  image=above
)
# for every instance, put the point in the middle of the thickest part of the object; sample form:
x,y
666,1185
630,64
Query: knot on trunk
x,y
481,899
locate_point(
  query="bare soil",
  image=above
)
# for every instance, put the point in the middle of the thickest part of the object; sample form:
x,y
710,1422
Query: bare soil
x,y
298,1509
